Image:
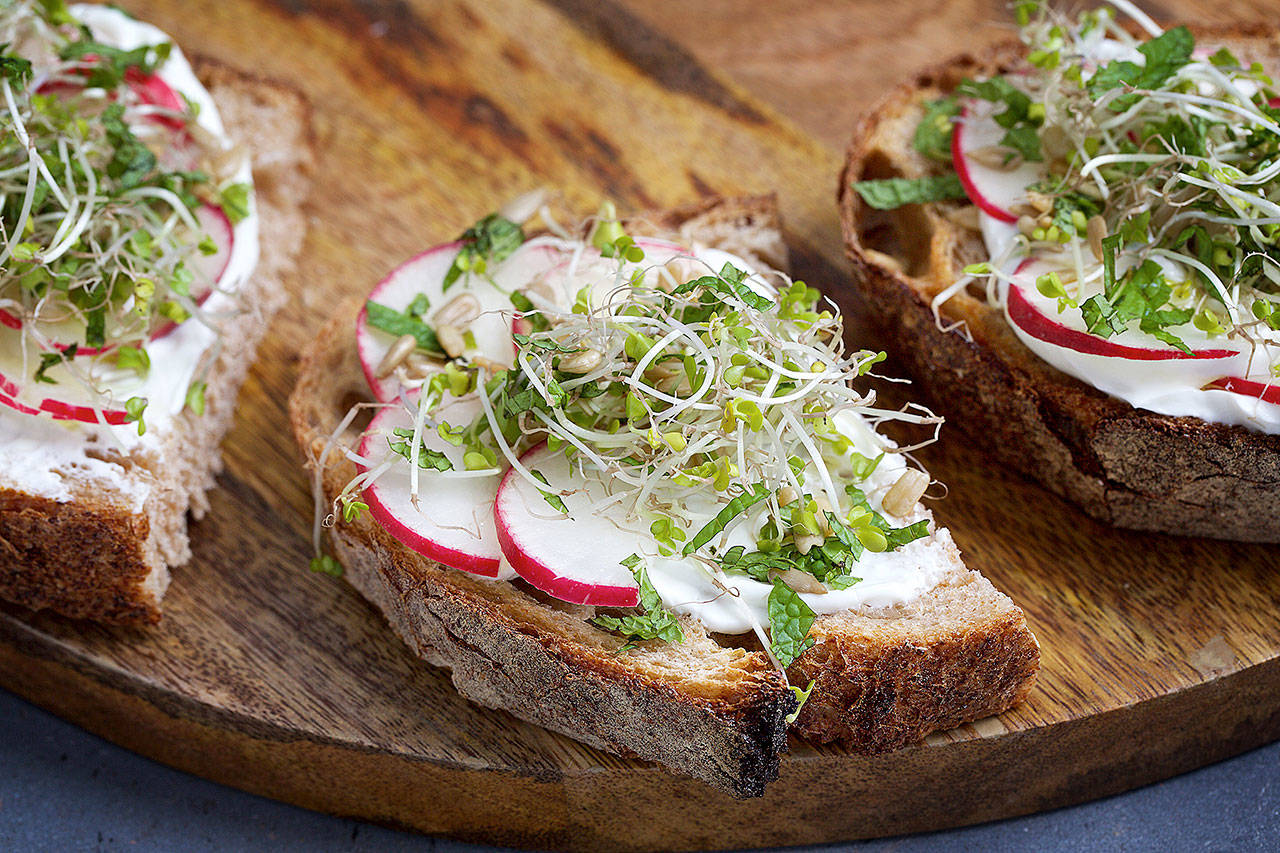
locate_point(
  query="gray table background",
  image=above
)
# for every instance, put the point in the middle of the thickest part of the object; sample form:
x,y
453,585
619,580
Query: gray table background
x,y
63,789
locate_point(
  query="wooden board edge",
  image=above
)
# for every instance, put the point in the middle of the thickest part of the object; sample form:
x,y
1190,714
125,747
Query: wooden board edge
x,y
934,787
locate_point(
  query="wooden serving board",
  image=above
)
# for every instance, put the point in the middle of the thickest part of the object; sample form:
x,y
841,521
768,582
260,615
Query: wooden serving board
x,y
1160,654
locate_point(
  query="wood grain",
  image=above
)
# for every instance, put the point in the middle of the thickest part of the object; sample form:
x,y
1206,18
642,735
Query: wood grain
x,y
1160,654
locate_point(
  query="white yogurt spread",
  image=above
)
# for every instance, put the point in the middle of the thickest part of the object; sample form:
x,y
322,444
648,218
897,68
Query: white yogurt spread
x,y
735,604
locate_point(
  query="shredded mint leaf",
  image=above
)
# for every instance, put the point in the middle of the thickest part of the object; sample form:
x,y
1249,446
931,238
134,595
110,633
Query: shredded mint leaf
x,y
110,64
396,323
933,134
14,68
557,502
732,510
133,162
1164,55
428,459
653,622
889,193
1021,128
902,535
52,359
789,622
491,240
730,281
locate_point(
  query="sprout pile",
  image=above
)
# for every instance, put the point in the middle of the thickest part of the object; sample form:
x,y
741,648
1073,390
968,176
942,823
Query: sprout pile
x,y
1158,168
100,184
670,382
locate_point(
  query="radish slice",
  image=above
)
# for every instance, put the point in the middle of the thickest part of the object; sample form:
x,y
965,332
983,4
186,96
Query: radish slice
x,y
150,89
575,557
59,409
424,274
1033,313
992,190
453,520
1267,393
208,271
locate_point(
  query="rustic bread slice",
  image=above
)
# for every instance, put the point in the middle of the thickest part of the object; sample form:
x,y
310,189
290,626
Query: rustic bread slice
x,y
104,553
1128,467
711,707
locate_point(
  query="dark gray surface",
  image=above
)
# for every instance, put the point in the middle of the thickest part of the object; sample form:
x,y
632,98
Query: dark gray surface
x,y
63,789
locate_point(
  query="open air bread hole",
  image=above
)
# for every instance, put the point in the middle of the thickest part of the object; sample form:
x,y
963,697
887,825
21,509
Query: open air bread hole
x,y
350,400
904,233
748,642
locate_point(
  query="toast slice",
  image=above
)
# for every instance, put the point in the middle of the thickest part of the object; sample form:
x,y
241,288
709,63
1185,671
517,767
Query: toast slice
x,y
102,548
711,707
1124,466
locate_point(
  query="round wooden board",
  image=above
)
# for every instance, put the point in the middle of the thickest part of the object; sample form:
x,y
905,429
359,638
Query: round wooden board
x,y
1160,654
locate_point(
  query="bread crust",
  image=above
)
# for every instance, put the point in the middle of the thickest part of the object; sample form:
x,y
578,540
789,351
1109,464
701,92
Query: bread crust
x,y
99,556
1124,466
716,712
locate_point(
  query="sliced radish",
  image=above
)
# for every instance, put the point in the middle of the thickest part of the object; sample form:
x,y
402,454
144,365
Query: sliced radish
x,y
208,271
59,409
452,522
150,89
575,557
1266,392
424,274
1033,313
992,190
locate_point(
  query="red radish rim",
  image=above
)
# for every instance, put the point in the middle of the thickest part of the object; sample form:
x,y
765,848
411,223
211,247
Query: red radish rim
x,y
416,542
57,409
14,322
1268,393
362,321
1035,323
541,576
966,180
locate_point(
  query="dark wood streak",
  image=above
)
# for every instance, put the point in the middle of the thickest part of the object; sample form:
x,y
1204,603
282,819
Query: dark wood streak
x,y
391,20
588,149
663,59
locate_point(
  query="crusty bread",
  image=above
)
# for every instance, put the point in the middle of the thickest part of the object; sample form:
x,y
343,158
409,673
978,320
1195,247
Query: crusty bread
x,y
1126,466
105,553
710,707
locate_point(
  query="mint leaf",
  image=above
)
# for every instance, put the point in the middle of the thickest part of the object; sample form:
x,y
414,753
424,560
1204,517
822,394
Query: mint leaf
x,y
932,137
789,622
491,240
428,459
556,502
653,622
732,510
902,535
1164,55
730,281
394,322
14,68
888,193
1022,135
